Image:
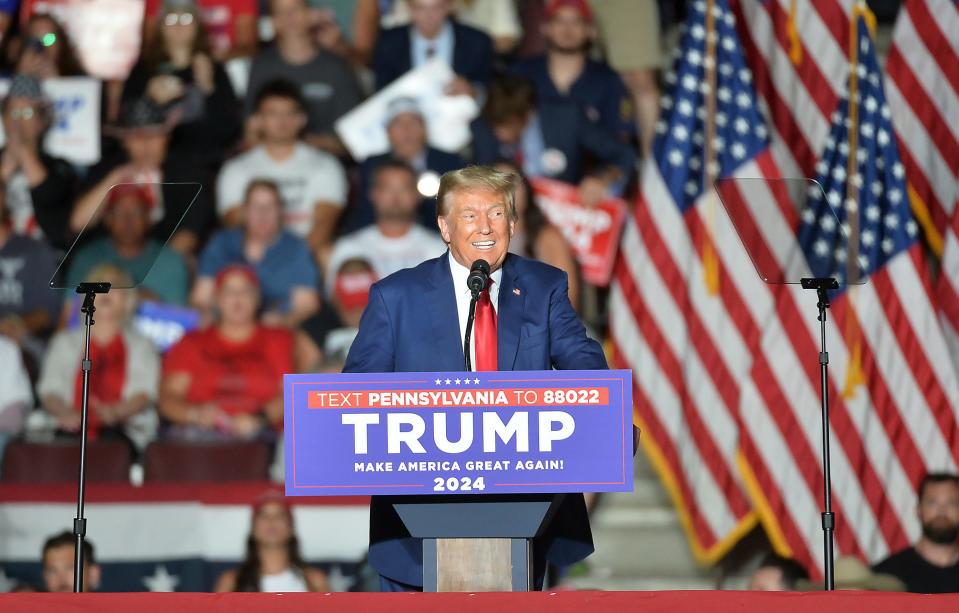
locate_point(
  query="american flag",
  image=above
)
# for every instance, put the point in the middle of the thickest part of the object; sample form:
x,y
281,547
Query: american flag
x,y
677,317
725,366
923,88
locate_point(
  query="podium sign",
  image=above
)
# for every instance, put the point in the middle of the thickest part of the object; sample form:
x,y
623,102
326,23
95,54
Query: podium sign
x,y
458,433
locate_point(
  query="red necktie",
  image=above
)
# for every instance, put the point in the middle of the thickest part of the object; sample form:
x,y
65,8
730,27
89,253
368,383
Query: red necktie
x,y
485,332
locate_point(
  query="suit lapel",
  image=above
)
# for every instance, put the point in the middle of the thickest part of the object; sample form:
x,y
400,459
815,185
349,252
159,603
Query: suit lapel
x,y
444,318
509,315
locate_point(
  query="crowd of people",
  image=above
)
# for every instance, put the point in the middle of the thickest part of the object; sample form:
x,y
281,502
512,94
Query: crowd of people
x,y
273,258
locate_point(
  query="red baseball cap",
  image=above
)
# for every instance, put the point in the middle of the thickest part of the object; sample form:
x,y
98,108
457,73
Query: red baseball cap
x,y
129,190
352,289
581,6
245,269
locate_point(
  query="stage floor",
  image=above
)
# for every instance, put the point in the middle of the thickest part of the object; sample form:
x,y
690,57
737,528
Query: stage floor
x,y
552,602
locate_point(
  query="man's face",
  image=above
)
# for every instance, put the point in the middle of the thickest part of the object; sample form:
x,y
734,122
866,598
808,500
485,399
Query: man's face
x,y
567,31
510,130
767,579
394,195
283,120
939,512
128,221
146,148
290,17
476,226
264,214
58,570
407,135
428,16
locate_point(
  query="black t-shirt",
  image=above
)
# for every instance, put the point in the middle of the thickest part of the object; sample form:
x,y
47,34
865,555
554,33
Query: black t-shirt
x,y
918,574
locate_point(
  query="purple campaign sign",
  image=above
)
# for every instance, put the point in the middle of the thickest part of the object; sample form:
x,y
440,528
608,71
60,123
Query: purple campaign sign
x,y
440,433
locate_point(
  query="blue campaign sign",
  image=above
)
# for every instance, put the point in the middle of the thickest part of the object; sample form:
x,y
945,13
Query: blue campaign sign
x,y
439,433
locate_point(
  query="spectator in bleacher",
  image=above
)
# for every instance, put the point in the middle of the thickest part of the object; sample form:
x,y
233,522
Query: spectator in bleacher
x,y
395,240
284,265
777,574
128,245
553,141
176,70
327,83
226,381
630,37
9,10
46,51
566,72
273,562
312,182
16,397
230,25
323,341
148,159
432,33
348,28
535,237
406,130
28,309
497,18
58,553
39,187
931,566
123,387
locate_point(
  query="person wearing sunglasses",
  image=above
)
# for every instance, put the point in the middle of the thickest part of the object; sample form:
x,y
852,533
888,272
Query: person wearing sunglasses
x,y
37,184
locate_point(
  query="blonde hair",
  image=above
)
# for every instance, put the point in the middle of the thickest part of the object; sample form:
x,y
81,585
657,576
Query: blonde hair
x,y
121,281
478,177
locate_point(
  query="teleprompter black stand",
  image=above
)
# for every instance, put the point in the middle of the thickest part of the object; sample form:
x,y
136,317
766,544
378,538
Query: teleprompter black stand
x,y
822,287
89,292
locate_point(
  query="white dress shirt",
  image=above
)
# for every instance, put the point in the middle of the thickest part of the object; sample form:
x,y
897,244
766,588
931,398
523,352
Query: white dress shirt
x,y
442,46
463,296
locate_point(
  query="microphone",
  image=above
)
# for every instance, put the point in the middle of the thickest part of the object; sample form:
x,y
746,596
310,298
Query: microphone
x,y
478,277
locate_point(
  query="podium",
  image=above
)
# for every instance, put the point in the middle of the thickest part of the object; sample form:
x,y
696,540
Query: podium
x,y
477,465
478,544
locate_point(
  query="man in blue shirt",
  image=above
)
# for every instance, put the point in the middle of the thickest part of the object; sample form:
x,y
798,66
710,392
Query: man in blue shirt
x,y
565,72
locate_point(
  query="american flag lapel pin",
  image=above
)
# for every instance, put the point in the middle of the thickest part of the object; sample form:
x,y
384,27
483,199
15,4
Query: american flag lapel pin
x,y
516,291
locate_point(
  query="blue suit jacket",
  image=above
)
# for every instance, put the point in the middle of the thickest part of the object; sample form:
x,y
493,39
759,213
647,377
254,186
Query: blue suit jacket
x,y
472,54
411,325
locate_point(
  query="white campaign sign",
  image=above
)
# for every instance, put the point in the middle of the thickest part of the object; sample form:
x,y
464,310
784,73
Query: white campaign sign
x,y
75,132
363,130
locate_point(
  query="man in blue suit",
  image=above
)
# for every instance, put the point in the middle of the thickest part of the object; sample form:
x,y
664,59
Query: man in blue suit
x,y
432,33
415,321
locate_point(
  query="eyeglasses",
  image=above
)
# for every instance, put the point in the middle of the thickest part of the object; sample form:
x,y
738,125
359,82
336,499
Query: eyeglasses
x,y
184,19
26,113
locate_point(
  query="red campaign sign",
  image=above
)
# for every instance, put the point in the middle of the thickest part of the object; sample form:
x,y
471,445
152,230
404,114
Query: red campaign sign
x,y
105,33
592,233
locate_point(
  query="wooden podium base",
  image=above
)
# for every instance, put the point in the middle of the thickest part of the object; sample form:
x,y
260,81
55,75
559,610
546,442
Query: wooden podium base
x,y
476,565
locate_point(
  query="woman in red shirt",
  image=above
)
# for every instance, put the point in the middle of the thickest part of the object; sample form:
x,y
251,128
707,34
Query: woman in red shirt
x,y
226,381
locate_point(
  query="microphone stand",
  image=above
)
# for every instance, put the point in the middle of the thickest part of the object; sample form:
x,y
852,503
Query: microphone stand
x,y
822,285
469,331
89,292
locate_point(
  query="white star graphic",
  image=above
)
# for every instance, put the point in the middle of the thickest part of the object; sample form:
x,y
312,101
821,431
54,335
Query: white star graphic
x,y
161,580
438,382
466,381
476,381
448,382
338,581
458,381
